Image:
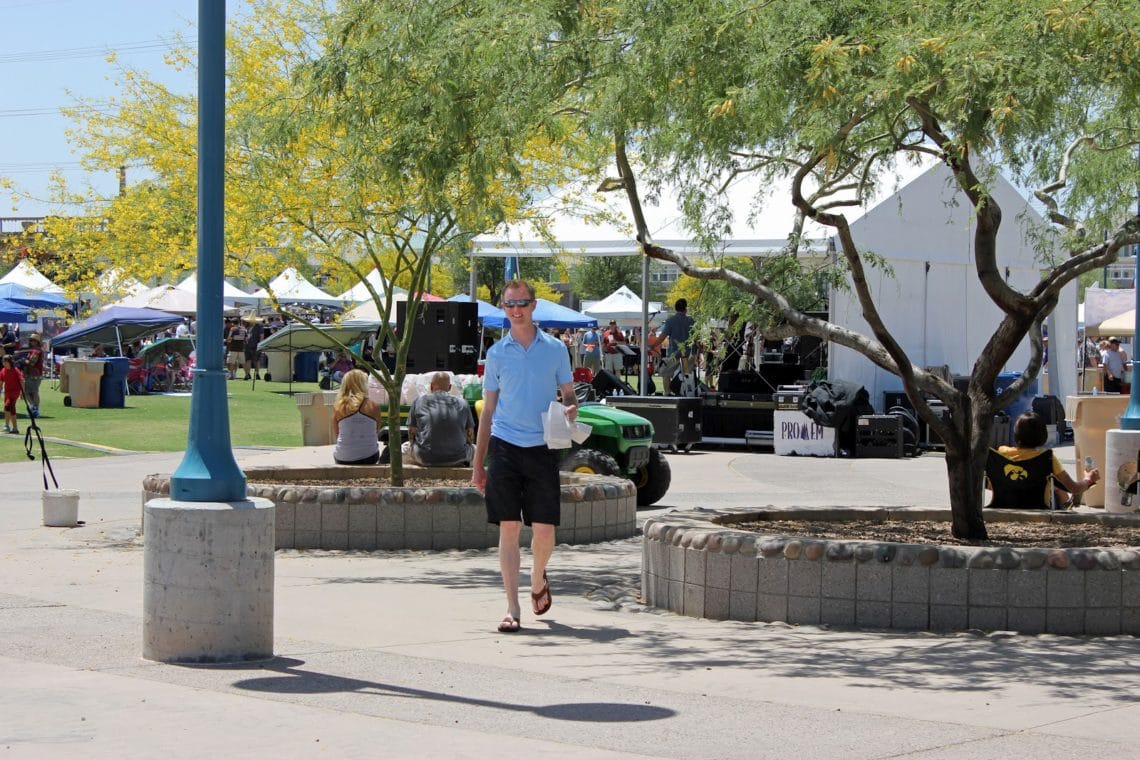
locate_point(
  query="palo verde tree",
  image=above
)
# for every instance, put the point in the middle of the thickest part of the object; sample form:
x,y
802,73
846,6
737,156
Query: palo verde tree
x,y
418,101
832,95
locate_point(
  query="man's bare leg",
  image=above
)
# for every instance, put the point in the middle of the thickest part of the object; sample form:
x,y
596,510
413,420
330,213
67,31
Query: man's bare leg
x,y
541,546
509,560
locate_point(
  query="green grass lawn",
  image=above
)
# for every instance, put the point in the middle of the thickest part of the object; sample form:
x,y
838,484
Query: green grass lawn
x,y
265,415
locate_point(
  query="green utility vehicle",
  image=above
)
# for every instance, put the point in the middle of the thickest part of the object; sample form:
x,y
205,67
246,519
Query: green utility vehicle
x,y
621,443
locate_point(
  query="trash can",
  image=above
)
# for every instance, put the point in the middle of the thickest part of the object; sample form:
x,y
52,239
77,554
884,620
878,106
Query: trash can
x,y
279,366
83,381
113,384
1091,417
305,365
316,417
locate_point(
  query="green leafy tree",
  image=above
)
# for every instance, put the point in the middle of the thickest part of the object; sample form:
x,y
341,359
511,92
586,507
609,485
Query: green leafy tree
x,y
831,95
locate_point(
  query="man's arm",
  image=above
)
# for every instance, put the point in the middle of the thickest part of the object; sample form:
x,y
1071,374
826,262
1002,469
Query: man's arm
x,y
483,440
569,400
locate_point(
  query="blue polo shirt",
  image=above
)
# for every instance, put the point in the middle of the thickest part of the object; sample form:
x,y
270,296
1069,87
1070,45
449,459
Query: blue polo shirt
x,y
526,380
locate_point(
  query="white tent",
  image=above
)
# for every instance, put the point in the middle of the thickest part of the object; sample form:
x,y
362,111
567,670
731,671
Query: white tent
x,y
231,294
166,298
623,305
358,293
291,287
933,303
116,283
370,312
27,275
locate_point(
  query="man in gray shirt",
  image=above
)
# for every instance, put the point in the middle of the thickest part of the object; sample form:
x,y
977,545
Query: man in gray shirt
x,y
440,428
676,329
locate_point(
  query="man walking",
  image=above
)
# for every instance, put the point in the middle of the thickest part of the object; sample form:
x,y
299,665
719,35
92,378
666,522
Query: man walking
x,y
512,466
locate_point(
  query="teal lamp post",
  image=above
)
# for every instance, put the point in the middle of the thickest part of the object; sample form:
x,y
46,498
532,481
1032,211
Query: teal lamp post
x,y
208,549
208,471
1130,420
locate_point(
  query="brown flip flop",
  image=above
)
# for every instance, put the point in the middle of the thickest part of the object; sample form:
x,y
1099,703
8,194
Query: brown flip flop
x,y
510,624
542,601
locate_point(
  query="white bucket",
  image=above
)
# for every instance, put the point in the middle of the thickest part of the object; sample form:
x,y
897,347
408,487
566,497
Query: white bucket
x,y
61,508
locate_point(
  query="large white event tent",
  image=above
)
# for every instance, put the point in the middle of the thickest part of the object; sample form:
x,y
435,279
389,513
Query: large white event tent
x,y
623,306
231,294
26,274
921,225
167,298
291,287
369,311
115,282
358,293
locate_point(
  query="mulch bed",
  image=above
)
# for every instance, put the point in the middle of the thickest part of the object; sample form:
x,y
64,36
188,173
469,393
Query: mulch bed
x,y
1035,535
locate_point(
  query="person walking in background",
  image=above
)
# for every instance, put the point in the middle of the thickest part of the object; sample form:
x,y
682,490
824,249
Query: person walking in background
x,y
612,357
512,465
235,348
12,379
33,373
1114,361
592,350
356,421
252,358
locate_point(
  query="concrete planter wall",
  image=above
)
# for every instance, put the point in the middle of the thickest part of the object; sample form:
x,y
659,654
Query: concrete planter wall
x,y
696,564
594,508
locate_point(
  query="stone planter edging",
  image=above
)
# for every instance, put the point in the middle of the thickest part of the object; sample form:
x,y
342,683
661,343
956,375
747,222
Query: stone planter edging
x,y
694,563
594,508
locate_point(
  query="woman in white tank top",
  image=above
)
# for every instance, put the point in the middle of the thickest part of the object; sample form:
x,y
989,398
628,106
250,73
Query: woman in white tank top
x,y
356,422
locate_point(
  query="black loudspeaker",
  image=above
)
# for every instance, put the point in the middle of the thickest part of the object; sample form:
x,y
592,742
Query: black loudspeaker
x,y
734,381
606,383
445,336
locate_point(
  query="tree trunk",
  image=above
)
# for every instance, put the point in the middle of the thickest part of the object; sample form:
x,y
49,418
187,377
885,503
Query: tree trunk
x,y
966,450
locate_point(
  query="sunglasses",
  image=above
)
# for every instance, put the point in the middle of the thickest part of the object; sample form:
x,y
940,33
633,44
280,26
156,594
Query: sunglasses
x,y
518,303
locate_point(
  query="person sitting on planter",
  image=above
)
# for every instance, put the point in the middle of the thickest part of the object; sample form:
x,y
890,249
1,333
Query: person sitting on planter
x,y
441,429
1028,475
356,422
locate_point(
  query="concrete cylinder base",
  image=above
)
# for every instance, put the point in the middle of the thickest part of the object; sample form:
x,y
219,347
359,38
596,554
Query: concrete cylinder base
x,y
208,585
1122,455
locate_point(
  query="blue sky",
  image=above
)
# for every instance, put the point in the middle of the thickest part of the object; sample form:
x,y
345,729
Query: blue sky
x,y
53,47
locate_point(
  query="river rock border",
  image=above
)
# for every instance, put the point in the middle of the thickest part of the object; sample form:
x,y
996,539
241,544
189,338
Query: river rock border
x,y
594,508
694,563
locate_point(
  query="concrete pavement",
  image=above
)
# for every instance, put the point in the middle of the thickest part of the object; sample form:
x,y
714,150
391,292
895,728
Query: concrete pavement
x,y
394,654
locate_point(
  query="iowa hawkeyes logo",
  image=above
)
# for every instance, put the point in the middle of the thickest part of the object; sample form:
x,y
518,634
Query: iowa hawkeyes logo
x,y
1014,472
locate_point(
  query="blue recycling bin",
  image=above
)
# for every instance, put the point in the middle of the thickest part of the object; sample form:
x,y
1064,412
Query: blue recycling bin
x,y
305,366
1021,404
113,383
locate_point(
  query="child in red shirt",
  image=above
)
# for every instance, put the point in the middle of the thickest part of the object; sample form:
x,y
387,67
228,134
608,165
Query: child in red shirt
x,y
13,381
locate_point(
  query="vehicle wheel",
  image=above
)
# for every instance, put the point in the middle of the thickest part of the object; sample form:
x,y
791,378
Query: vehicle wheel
x,y
653,479
591,462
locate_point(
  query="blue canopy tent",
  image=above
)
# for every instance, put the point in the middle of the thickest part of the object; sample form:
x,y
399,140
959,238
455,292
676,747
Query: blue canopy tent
x,y
486,310
37,299
113,326
10,311
549,315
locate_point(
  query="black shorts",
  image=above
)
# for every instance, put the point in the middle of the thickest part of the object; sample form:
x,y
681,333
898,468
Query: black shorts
x,y
523,482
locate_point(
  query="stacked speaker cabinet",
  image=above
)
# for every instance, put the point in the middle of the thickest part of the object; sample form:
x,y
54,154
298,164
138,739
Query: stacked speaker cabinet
x,y
445,336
